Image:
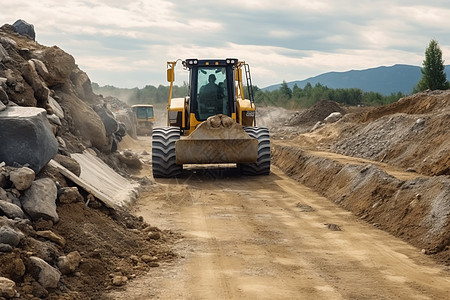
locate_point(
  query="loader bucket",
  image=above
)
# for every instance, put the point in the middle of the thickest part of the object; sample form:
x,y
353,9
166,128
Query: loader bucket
x,y
217,140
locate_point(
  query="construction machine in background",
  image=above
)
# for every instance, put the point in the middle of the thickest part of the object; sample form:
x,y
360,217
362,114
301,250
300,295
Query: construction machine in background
x,y
213,124
145,118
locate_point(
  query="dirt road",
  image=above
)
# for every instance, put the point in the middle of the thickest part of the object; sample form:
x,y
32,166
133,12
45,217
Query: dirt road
x,y
271,238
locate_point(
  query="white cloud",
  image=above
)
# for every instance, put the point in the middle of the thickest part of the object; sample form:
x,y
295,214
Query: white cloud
x,y
280,33
128,42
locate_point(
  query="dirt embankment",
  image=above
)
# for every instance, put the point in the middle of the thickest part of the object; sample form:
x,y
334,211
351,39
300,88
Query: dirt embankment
x,y
403,187
411,133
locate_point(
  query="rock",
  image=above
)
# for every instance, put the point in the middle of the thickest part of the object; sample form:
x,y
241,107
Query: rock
x,y
12,198
56,107
11,210
43,273
61,142
333,117
8,42
40,68
39,201
22,178
9,236
6,248
420,121
119,280
25,128
108,119
333,227
3,180
50,235
3,54
59,65
24,28
43,249
4,99
3,194
69,263
131,160
41,91
86,123
129,119
134,259
153,264
154,235
82,85
69,195
7,288
317,125
147,258
69,163
54,119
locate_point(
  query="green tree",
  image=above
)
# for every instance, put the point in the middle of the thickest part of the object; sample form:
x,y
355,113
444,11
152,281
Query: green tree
x,y
433,75
285,90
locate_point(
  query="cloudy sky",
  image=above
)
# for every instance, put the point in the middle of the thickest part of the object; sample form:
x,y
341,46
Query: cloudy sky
x,y
127,43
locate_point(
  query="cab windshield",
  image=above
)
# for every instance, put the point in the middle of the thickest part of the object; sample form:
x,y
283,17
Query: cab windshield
x,y
143,112
212,91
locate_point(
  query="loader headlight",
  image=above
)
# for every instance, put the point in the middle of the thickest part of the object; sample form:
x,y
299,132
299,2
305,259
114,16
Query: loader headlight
x,y
192,62
250,113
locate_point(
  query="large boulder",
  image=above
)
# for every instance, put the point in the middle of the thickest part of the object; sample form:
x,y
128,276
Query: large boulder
x,y
24,28
59,66
26,137
108,119
128,118
86,123
82,86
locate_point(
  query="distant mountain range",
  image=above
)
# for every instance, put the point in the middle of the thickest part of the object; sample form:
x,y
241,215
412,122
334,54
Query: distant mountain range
x,y
383,80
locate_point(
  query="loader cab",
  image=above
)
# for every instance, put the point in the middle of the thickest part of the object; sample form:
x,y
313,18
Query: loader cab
x,y
212,89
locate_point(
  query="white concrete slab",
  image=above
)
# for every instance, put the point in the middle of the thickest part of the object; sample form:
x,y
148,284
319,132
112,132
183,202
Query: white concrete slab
x,y
102,181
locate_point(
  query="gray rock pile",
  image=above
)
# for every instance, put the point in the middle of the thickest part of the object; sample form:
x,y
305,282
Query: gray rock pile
x,y
47,111
36,76
24,200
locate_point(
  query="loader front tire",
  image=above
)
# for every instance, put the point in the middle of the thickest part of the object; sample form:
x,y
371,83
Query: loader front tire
x,y
163,152
262,165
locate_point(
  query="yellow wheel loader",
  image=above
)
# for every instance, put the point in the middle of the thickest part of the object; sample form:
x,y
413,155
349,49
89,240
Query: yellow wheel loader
x,y
214,123
145,118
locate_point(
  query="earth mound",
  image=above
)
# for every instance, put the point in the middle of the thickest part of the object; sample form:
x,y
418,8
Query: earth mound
x,y
410,137
317,113
411,133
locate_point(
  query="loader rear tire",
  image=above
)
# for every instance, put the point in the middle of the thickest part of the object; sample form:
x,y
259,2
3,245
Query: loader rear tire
x,y
262,165
163,152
